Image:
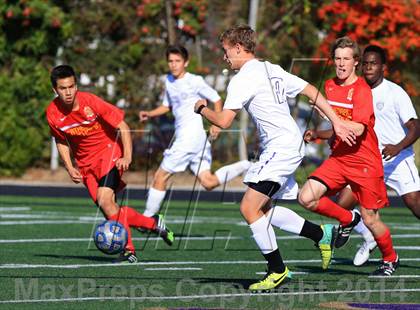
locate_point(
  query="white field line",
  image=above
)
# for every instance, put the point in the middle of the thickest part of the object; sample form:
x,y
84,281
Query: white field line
x,y
173,263
405,276
53,240
291,272
7,209
41,218
172,268
408,248
192,297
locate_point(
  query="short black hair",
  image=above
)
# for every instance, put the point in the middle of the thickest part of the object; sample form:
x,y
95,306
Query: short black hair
x,y
376,49
61,72
177,49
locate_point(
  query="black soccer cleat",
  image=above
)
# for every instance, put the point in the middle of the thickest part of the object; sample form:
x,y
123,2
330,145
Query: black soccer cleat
x,y
126,257
386,269
344,232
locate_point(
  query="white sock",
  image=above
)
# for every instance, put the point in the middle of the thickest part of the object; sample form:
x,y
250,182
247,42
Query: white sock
x,y
229,172
264,236
285,219
153,202
364,231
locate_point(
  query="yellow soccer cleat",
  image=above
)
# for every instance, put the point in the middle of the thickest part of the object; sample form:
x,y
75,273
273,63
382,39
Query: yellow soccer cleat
x,y
326,244
271,281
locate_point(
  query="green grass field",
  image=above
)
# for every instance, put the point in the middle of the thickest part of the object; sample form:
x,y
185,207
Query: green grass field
x,y
48,261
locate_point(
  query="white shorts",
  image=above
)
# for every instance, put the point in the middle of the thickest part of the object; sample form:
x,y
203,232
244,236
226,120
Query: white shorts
x,y
279,168
402,175
177,160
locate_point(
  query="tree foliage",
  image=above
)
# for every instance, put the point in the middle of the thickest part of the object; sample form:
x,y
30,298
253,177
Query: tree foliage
x,y
393,25
118,48
31,33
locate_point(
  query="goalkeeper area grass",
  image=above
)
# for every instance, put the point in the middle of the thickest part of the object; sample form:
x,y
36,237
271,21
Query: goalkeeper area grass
x,y
48,261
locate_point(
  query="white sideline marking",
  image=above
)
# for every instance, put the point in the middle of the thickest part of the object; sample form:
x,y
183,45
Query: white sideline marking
x,y
173,268
403,276
14,209
291,272
159,298
174,263
45,240
409,248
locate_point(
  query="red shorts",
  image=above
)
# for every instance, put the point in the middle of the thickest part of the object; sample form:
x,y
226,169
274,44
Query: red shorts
x,y
369,191
93,173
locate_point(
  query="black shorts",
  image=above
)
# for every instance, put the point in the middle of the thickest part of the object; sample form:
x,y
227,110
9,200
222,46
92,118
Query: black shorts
x,y
268,188
111,180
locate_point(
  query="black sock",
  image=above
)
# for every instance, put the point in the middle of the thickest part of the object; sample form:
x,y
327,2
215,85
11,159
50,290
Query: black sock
x,y
312,231
275,262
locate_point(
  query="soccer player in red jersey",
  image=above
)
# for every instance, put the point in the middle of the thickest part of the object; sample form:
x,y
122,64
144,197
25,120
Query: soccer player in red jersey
x,y
359,166
94,133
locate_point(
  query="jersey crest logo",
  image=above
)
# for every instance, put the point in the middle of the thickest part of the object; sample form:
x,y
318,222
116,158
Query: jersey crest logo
x,y
350,94
88,112
380,105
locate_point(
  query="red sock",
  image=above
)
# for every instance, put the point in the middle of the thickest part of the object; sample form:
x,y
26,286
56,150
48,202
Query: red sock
x,y
120,217
136,219
329,208
384,243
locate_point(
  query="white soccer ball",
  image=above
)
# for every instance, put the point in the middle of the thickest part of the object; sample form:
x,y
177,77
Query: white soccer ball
x,y
110,237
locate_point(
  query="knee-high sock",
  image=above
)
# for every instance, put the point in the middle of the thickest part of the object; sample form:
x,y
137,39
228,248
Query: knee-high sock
x,y
384,243
264,236
153,202
285,219
122,219
329,208
136,219
364,231
229,172
290,221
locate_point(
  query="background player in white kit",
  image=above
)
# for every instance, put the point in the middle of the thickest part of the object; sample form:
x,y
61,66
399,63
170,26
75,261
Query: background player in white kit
x,y
261,88
397,128
191,147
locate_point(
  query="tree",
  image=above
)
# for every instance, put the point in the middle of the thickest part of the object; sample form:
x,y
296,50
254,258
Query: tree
x,y
30,36
392,25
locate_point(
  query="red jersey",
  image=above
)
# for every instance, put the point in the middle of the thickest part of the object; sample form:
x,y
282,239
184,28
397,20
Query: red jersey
x,y
354,102
90,131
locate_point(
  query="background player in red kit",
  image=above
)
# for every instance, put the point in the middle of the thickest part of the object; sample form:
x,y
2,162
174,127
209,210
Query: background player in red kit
x,y
94,133
359,166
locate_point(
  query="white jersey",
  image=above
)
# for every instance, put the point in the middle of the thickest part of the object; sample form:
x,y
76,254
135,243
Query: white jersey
x,y
181,95
266,103
393,108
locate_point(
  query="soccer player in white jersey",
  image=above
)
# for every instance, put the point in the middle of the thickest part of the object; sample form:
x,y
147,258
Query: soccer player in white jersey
x,y
191,147
261,88
397,128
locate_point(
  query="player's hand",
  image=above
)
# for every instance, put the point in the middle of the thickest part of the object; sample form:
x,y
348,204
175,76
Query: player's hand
x,y
390,151
75,175
345,133
310,135
200,103
123,163
214,132
144,116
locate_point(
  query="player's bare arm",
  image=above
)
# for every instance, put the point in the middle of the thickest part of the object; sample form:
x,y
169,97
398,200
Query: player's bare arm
x,y
222,119
160,110
341,128
64,151
214,130
125,161
413,133
312,134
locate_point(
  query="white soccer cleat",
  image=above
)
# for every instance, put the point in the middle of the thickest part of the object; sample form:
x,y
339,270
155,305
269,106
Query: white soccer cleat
x,y
362,255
